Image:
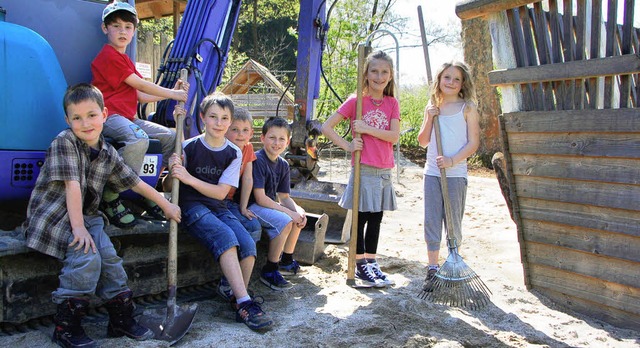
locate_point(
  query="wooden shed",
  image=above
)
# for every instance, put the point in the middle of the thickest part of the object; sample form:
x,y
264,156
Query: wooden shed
x,y
568,74
254,87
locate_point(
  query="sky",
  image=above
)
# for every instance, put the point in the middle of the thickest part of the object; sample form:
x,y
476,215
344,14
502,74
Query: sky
x,y
411,61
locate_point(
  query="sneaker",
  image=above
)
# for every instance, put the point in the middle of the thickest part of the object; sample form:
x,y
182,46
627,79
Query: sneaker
x,y
275,281
428,281
366,278
291,269
250,313
375,268
224,289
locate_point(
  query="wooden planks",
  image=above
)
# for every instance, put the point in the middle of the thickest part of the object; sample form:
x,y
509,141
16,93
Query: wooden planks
x,y
581,69
572,261
599,299
615,170
601,194
596,120
581,215
573,148
588,240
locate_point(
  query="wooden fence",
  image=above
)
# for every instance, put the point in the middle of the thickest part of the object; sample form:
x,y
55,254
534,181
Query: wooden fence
x,y
568,74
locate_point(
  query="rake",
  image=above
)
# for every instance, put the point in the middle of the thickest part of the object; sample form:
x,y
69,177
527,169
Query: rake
x,y
455,283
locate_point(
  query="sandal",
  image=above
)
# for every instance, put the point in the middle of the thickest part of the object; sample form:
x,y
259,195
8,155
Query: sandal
x,y
117,213
153,210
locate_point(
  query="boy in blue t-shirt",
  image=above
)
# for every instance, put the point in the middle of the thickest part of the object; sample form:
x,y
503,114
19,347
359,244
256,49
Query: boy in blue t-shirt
x,y
278,213
210,167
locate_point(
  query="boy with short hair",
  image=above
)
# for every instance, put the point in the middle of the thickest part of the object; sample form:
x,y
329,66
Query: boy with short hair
x,y
240,133
122,86
271,202
211,167
63,220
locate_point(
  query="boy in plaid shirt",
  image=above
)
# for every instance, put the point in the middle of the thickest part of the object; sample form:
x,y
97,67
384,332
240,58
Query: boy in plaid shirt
x,y
63,220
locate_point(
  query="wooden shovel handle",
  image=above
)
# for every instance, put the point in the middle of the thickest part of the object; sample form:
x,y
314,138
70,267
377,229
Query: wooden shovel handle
x,y
172,258
353,242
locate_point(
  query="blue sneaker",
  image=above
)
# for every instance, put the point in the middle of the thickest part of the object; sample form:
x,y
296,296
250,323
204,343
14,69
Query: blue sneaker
x,y
275,281
224,289
250,313
365,278
375,268
291,269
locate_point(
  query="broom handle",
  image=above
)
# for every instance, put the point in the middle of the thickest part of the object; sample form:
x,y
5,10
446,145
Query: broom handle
x,y
353,242
451,239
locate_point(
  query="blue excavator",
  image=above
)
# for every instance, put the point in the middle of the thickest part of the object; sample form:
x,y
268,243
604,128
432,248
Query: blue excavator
x,y
48,45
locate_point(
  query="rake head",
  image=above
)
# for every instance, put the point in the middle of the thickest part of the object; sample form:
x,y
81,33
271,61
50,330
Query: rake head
x,y
456,285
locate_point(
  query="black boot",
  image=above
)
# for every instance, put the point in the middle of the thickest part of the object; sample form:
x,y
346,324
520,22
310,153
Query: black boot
x,y
68,331
121,322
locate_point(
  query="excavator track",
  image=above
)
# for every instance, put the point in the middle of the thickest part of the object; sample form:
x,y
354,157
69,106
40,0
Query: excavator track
x,y
99,314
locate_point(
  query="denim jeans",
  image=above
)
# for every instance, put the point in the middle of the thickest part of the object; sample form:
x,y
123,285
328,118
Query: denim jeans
x,y
273,221
83,274
252,226
135,136
218,231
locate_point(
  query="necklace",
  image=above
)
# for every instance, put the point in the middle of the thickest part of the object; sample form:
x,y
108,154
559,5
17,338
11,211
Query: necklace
x,y
377,102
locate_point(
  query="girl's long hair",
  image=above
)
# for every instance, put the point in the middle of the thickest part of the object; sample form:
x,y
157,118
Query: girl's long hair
x,y
390,89
467,91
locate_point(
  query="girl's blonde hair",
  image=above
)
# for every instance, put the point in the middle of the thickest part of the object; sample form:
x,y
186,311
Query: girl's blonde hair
x,y
467,91
390,88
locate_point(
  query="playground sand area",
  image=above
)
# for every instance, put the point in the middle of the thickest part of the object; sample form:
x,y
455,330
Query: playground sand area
x,y
321,310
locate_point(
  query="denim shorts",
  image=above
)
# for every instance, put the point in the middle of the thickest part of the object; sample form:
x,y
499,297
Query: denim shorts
x,y
252,226
218,231
272,221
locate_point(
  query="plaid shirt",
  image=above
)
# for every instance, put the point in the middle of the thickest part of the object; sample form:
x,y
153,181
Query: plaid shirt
x,y
47,228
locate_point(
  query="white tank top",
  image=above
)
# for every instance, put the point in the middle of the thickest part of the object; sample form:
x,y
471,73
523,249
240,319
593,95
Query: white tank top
x,y
453,130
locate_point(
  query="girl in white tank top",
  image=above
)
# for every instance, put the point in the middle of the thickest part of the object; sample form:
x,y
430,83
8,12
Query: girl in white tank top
x,y
453,101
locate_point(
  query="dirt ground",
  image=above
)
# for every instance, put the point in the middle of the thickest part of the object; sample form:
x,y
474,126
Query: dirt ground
x,y
322,311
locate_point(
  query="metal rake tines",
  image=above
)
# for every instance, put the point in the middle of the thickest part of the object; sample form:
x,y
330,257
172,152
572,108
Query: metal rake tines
x,y
456,285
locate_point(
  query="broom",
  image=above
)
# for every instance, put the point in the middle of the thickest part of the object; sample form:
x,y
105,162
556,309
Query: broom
x,y
455,283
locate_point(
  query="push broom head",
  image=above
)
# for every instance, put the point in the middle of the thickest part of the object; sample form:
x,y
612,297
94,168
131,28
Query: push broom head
x,y
455,284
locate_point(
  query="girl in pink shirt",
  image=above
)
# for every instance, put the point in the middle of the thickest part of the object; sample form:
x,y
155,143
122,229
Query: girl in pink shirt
x,y
379,130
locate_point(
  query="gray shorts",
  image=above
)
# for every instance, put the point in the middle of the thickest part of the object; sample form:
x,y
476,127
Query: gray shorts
x,y
434,216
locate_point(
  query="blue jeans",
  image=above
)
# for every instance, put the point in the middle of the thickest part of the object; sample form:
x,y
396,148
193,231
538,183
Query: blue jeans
x,y
218,231
135,136
83,274
273,221
252,226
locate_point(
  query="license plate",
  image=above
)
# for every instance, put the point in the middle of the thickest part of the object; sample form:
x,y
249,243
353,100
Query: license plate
x,y
149,166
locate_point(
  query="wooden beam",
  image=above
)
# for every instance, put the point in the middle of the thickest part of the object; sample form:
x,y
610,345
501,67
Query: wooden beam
x,y
581,69
589,120
469,9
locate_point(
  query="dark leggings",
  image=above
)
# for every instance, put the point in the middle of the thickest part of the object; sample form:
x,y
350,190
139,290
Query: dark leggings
x,y
368,243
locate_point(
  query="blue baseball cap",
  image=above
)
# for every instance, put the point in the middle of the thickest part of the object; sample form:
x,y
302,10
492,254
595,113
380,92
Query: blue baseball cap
x,y
118,6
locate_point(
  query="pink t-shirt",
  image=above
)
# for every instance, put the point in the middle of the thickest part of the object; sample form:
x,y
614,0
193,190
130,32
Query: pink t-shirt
x,y
375,152
110,68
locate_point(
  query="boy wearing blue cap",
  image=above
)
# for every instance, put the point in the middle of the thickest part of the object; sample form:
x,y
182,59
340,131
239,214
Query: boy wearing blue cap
x,y
123,87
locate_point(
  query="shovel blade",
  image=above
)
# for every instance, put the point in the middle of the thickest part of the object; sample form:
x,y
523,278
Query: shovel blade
x,y
170,324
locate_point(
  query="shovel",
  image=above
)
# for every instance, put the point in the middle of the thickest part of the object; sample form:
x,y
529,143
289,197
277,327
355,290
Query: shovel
x,y
174,322
351,265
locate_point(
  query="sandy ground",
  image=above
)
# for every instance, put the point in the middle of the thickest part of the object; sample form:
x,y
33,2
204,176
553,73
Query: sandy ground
x,y
322,311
